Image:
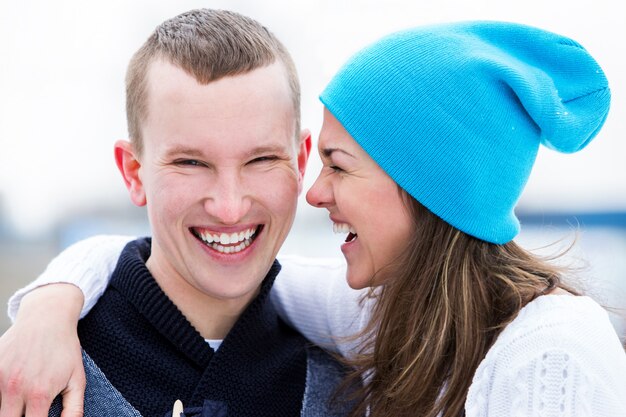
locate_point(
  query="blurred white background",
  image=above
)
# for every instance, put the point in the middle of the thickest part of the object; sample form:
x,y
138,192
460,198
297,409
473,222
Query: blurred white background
x,y
62,67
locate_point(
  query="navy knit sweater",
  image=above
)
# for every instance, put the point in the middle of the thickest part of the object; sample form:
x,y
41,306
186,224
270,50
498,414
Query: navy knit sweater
x,y
153,355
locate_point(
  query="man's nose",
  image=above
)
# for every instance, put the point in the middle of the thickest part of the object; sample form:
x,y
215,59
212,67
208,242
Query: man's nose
x,y
228,201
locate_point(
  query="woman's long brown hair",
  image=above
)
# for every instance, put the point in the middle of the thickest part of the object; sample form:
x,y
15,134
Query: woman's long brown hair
x,y
435,320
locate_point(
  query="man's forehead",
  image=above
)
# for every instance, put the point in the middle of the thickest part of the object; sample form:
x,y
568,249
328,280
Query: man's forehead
x,y
264,89
272,76
254,109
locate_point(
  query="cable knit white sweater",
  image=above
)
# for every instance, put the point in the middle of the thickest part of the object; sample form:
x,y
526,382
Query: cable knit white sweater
x,y
559,357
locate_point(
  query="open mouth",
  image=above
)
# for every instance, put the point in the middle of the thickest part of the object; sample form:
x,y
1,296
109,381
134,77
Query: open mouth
x,y
227,242
345,228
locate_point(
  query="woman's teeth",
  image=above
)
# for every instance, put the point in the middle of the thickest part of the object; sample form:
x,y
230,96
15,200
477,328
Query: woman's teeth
x,y
345,228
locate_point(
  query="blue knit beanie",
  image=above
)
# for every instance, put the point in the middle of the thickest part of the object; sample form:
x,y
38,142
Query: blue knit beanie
x,y
455,113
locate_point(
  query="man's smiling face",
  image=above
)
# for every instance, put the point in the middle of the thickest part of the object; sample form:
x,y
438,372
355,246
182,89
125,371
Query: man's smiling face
x,y
220,174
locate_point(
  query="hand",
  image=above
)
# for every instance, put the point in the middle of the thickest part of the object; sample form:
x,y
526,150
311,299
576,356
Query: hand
x,y
40,355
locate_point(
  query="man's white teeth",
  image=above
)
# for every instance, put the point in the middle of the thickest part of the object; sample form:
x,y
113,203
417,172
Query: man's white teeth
x,y
343,228
230,249
218,241
227,238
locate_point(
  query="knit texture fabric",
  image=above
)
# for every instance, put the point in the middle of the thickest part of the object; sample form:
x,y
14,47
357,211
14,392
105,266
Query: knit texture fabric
x,y
323,377
101,398
560,357
455,113
153,355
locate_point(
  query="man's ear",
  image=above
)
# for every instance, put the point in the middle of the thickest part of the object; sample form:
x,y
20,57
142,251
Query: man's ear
x,y
303,155
129,165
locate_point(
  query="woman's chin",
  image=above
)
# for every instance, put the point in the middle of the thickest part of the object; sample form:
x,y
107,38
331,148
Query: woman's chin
x,y
358,280
355,282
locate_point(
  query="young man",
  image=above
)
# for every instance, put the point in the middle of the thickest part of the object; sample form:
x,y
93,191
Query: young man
x,y
217,156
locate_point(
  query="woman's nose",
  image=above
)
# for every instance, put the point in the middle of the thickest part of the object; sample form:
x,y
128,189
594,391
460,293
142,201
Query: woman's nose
x,y
320,193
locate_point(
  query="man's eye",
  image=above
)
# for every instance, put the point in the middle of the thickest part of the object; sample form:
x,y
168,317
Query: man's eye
x,y
335,168
188,162
266,158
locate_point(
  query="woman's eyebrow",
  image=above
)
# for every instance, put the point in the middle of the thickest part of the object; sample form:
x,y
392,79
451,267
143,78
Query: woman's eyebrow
x,y
327,152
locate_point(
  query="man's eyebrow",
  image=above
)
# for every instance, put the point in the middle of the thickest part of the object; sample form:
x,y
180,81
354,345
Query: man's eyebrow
x,y
188,151
183,150
265,149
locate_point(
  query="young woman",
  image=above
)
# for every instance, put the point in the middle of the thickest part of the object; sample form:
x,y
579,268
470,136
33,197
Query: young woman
x,y
429,137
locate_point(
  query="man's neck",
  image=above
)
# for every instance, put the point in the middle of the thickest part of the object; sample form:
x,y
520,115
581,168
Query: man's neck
x,y
211,317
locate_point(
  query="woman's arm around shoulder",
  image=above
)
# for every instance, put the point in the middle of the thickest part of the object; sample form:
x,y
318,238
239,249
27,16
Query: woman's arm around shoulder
x,y
312,295
87,264
40,355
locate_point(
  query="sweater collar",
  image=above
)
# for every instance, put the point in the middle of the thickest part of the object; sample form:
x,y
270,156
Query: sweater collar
x,y
133,279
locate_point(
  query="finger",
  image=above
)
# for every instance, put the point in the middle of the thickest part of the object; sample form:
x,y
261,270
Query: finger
x,y
74,396
38,403
11,405
12,410
73,404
